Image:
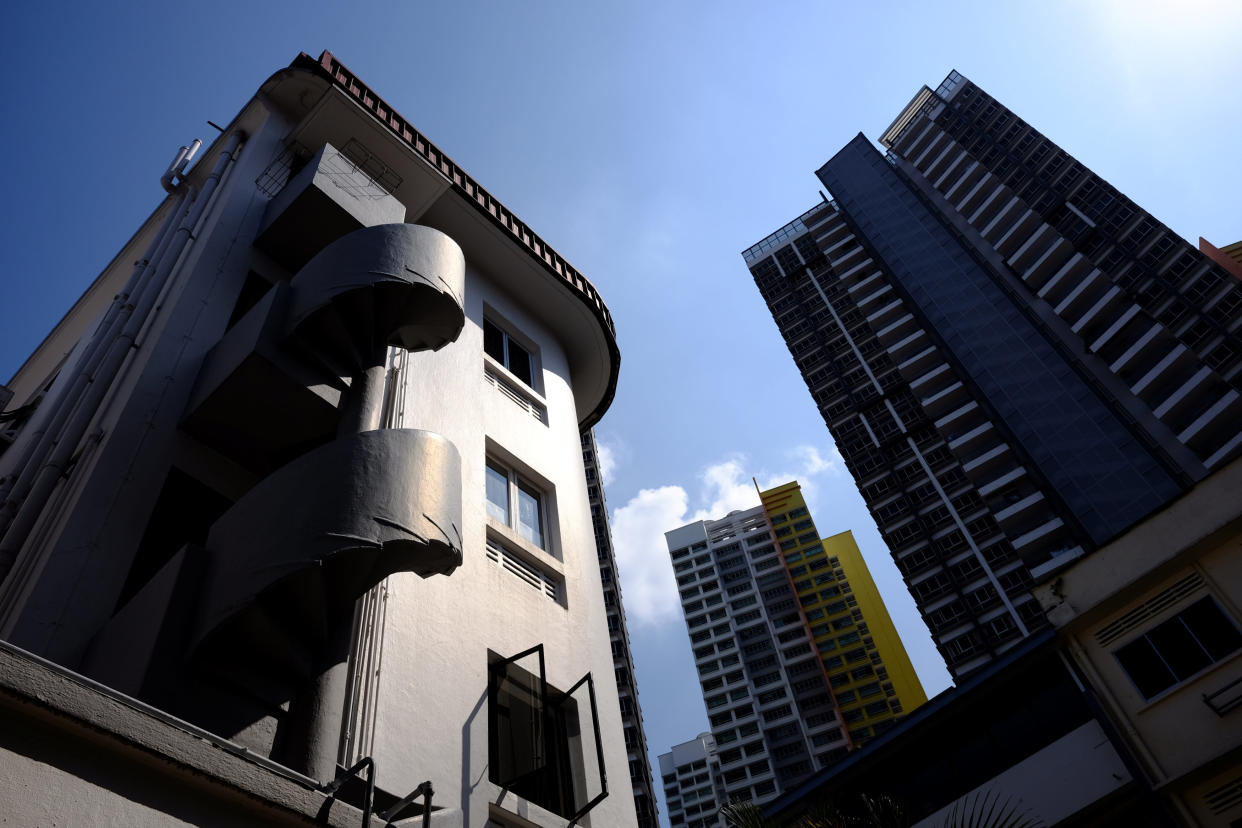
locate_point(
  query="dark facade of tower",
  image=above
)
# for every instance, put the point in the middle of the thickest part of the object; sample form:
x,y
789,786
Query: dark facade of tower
x,y
1016,362
623,660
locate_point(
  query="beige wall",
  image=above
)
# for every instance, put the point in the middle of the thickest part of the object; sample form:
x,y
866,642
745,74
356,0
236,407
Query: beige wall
x,y
1191,550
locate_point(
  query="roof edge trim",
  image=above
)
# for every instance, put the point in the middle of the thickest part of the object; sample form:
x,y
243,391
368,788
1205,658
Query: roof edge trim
x,y
330,68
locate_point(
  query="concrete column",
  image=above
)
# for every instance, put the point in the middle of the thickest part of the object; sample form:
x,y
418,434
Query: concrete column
x,y
312,738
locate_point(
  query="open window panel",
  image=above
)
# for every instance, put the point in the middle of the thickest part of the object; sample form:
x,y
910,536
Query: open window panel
x,y
517,704
584,775
545,743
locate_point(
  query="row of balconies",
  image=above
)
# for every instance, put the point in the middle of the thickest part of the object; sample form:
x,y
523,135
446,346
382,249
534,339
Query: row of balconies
x,y
1017,505
936,154
916,138
975,440
945,397
974,613
831,232
1188,397
978,189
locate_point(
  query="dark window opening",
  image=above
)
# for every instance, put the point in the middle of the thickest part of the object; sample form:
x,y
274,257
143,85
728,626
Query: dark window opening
x,y
1173,651
544,744
500,346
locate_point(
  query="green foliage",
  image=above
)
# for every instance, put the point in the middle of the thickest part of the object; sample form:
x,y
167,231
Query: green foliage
x,y
988,809
744,815
862,812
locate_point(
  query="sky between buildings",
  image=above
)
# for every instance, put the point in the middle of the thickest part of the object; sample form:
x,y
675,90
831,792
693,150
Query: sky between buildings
x,y
649,142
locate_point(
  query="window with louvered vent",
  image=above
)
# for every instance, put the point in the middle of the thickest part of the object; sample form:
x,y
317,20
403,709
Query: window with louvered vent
x,y
1177,649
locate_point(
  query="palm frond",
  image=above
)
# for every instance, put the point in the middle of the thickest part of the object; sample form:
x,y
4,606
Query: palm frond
x,y
989,809
744,815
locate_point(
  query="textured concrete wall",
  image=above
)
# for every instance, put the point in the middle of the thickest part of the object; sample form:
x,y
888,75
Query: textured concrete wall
x,y
72,753
48,781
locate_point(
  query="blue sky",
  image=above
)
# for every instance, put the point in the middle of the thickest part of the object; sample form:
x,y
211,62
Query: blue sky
x,y
649,143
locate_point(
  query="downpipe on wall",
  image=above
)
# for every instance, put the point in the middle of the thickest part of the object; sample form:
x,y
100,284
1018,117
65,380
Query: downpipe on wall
x,y
65,398
58,449
65,395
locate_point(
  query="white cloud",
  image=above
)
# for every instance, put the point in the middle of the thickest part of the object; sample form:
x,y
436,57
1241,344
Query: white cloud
x,y
638,527
607,461
814,463
725,487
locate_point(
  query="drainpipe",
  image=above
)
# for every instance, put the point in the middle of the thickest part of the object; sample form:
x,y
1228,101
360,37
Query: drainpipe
x,y
179,162
67,397
315,717
132,316
68,391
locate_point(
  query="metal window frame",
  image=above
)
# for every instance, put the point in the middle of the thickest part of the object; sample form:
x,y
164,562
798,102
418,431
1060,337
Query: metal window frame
x,y
546,712
589,680
494,670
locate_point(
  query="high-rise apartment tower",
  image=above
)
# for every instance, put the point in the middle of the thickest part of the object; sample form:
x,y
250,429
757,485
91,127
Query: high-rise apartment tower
x,y
692,790
797,658
623,659
1016,361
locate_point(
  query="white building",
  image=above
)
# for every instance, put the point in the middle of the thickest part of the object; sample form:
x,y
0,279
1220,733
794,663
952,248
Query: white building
x,y
767,696
312,483
692,788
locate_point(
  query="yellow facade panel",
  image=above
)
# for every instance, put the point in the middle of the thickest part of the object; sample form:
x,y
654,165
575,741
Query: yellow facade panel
x,y
888,642
859,648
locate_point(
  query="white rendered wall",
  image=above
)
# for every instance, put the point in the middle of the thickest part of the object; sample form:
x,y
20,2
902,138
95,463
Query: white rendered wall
x,y
432,707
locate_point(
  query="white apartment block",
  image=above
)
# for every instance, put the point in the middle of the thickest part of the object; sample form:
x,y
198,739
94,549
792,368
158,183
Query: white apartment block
x,y
297,488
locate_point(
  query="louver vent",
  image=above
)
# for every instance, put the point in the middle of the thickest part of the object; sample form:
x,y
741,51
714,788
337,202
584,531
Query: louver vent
x,y
1150,608
1225,797
529,575
515,395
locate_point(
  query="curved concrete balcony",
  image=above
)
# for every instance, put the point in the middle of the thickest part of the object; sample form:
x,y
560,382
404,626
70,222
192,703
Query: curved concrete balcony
x,y
325,528
393,284
275,382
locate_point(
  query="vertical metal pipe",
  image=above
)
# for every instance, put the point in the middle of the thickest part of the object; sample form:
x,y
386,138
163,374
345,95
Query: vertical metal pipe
x,y
66,394
50,471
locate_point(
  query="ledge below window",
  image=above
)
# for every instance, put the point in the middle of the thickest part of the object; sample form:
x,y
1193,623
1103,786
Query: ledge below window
x,y
527,562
